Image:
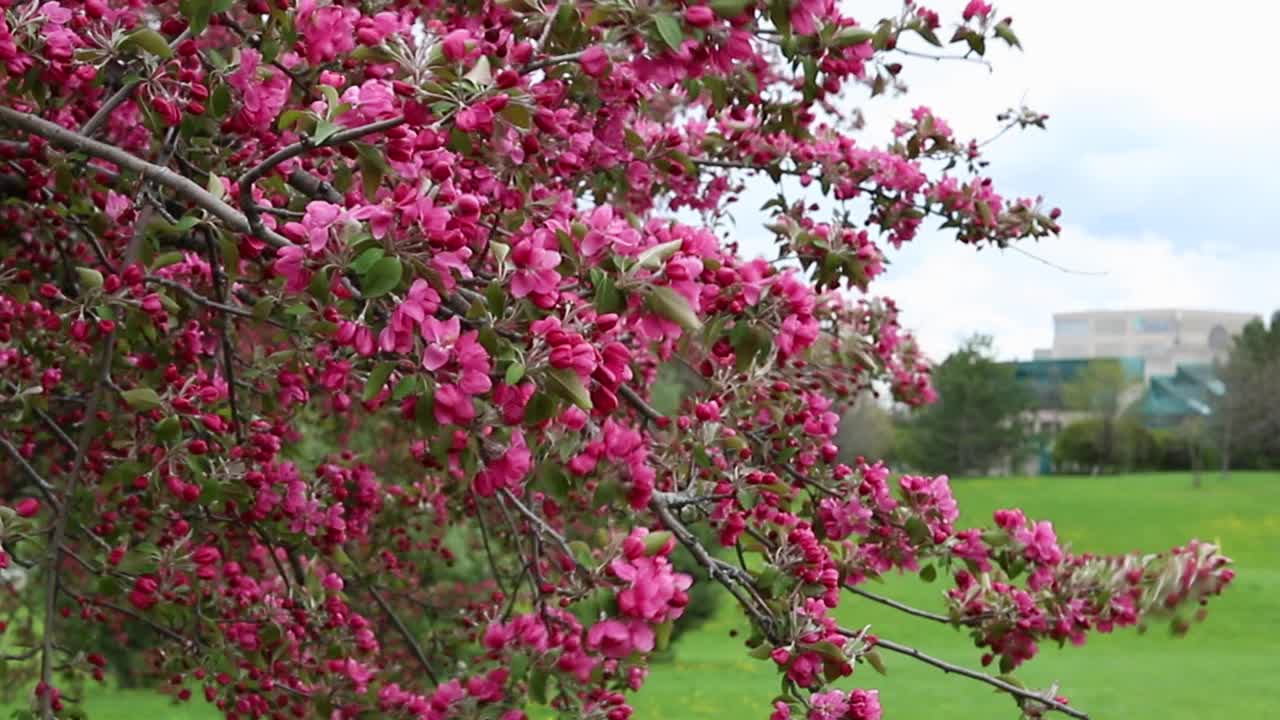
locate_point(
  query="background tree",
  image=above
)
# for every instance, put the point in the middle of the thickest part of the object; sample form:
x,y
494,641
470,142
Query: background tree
x,y
1247,415
1130,446
1102,390
866,430
978,420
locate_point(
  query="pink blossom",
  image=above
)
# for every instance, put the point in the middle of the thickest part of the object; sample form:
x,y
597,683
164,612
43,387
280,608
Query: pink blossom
x,y
976,8
620,638
594,61
453,406
535,269
656,592
455,45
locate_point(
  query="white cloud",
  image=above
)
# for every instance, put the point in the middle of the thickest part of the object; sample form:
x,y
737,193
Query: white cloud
x,y
1161,121
948,290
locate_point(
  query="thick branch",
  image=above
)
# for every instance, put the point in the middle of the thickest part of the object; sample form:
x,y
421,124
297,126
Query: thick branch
x,y
734,579
162,176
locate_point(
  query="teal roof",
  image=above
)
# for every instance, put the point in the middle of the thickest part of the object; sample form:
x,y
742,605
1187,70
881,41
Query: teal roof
x,y
1046,378
1189,392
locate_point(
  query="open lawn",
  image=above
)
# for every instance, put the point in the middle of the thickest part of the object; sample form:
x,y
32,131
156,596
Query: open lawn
x,y
1226,668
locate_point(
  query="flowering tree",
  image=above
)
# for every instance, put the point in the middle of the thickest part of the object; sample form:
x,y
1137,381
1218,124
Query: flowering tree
x,y
328,333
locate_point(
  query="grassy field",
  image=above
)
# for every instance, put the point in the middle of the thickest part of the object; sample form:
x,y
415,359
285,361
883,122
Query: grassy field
x,y
1224,669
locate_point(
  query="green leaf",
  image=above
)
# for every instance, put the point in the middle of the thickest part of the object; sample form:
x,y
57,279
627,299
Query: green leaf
x,y
142,399
480,73
567,383
331,101
324,130
671,305
373,167
828,650
608,297
653,257
1005,33
730,8
215,186
515,371
538,686
89,277
365,261
404,388
874,660
383,277
669,29
168,430
662,636
928,573
852,36
289,118
655,541
517,113
761,652
197,13
219,101
377,379
150,41
540,408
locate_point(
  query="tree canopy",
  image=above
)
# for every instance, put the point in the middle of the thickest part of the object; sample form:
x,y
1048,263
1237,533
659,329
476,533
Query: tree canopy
x,y
329,333
1248,412
978,422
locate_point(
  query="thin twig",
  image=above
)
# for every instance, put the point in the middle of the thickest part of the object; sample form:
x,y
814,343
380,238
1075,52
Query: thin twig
x,y
1054,265
401,628
124,93
949,668
890,602
484,537
46,489
542,526
257,172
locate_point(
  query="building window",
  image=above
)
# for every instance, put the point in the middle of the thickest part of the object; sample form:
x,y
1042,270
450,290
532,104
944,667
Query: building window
x,y
1072,327
1153,325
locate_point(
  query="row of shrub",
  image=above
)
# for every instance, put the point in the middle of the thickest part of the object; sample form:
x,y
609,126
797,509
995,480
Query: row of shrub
x,y
1125,445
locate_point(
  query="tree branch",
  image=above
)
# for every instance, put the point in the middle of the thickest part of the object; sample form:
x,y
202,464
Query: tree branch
x,y
732,578
1022,694
124,93
401,628
182,186
32,474
257,172
890,602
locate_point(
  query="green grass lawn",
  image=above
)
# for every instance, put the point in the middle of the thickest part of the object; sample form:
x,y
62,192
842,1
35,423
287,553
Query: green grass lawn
x,y
1224,669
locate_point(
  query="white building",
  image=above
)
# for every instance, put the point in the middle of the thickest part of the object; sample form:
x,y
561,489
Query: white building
x,y
1163,338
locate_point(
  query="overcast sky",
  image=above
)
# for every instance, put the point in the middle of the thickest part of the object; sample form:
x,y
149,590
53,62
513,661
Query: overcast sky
x,y
1162,149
